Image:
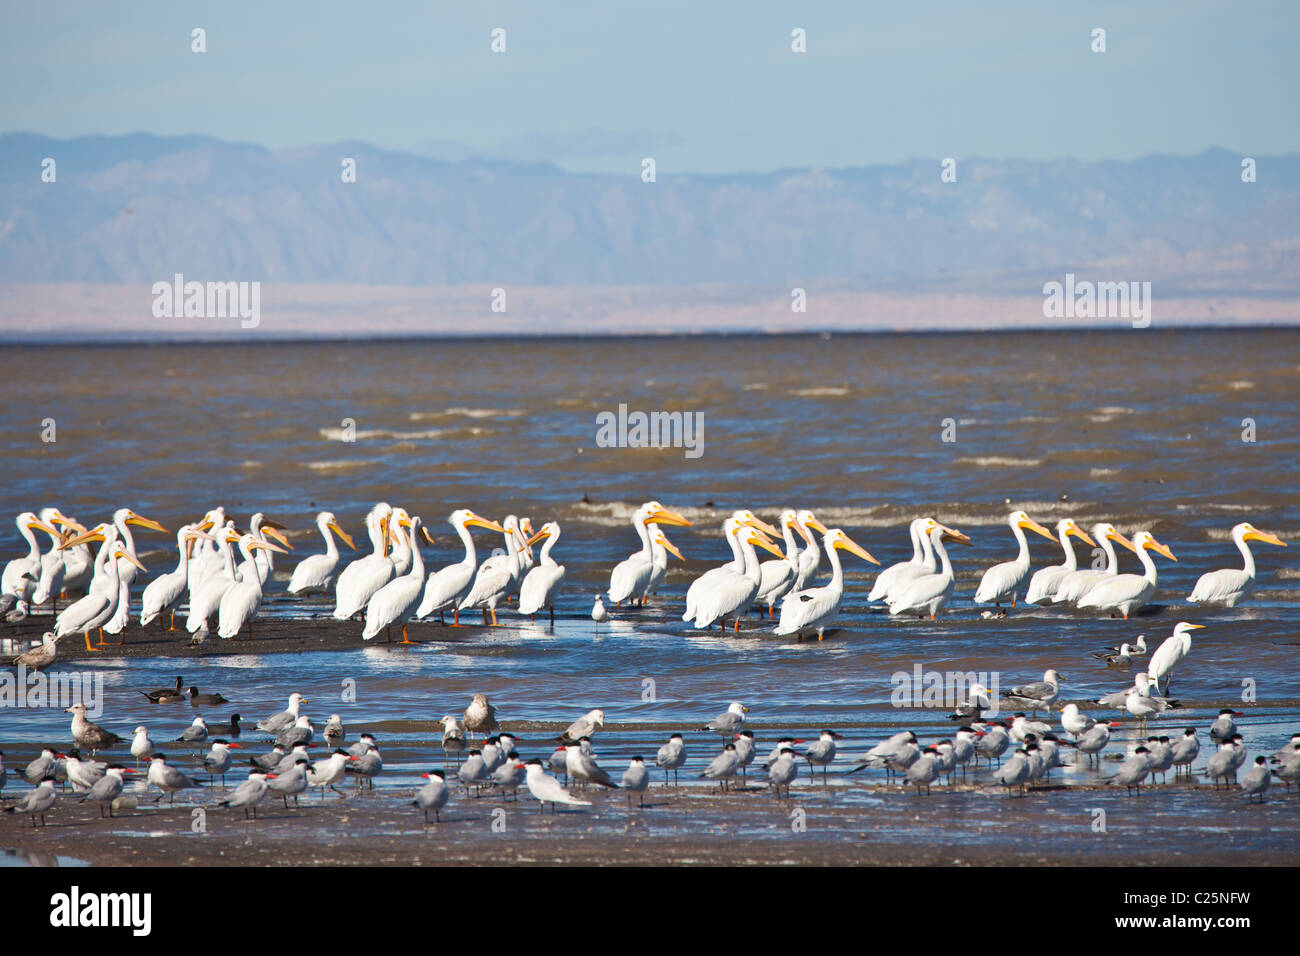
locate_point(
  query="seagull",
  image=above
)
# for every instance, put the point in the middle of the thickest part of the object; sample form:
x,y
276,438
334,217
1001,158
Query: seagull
x,y
635,780
584,726
1075,723
546,789
334,733
91,736
977,701
433,795
1256,780
300,733
249,793
671,756
1120,658
1133,771
480,716
728,723
598,612
1038,695
41,656
195,733
277,723
167,778
37,801
453,736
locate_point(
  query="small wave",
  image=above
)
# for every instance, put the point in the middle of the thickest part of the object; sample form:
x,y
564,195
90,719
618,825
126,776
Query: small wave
x,y
336,434
1240,385
756,387
996,461
250,464
340,465
1115,410
1102,472
820,391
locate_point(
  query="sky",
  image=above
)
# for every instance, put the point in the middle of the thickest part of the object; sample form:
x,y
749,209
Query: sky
x,y
704,87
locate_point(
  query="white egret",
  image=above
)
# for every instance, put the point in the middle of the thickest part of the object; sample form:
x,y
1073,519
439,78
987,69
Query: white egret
x,y
543,582
1003,582
366,575
815,608
97,607
1125,593
1075,584
1229,586
316,572
241,600
929,593
730,592
1043,585
397,601
921,562
1171,653
447,586
630,577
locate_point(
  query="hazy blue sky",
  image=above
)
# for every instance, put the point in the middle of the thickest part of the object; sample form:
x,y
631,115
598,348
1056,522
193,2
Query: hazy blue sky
x,y
704,85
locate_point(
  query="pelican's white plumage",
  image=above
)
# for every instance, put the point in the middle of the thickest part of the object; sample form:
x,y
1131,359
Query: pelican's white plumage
x,y
929,593
1073,585
810,557
543,582
1229,586
21,574
1125,593
730,593
1003,582
815,608
97,607
496,580
241,600
777,577
744,518
1043,585
921,562
366,575
316,572
631,576
397,601
164,593
447,586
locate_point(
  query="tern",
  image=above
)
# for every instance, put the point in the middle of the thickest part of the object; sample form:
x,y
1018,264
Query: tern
x,y
167,778
107,789
782,771
635,780
821,752
37,801
1185,750
301,732
433,795
994,743
924,770
671,756
1256,780
510,776
1161,756
1223,764
1015,772
473,772
546,789
1133,771
291,782
723,767
326,773
219,759
366,766
1095,740
82,774
1224,727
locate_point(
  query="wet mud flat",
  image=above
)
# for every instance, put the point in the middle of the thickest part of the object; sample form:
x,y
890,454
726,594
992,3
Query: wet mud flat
x,y
883,825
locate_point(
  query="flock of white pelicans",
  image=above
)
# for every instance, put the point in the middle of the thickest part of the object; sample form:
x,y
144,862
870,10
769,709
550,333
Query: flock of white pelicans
x,y
222,572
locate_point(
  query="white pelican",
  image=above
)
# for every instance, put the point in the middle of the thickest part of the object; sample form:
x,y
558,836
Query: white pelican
x,y
495,580
205,599
1076,584
743,518
98,607
400,554
243,597
207,558
316,572
817,607
631,576
21,574
1125,593
262,528
777,576
810,558
660,548
930,593
164,593
1229,586
922,561
1170,653
509,560
49,577
447,586
397,600
364,576
1003,582
730,592
543,582
1043,585
123,519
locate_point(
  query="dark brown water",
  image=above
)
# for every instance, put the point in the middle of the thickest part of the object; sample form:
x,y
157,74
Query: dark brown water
x,y
1143,428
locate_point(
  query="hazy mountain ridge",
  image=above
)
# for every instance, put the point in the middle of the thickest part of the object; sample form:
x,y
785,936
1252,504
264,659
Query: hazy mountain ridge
x,y
140,208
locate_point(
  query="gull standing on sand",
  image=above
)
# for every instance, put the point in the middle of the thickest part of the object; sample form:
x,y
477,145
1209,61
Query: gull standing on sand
x,y
40,656
85,734
598,612
167,778
334,733
635,780
480,716
1036,696
582,766
453,736
672,756
728,723
301,732
195,733
546,789
433,795
1075,723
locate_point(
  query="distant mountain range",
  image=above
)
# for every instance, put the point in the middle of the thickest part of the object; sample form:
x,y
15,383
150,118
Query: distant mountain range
x,y
139,208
